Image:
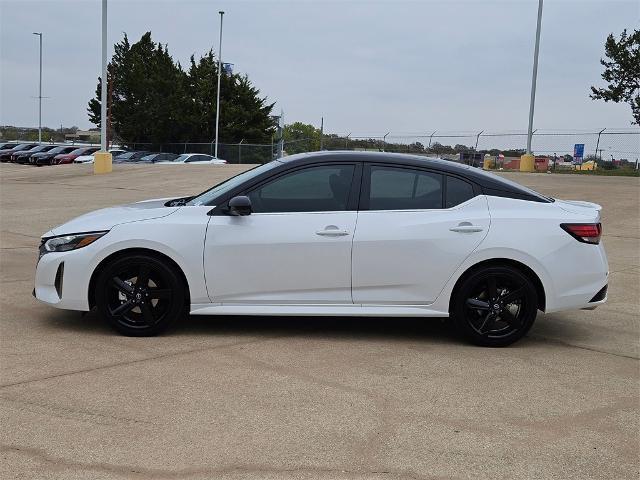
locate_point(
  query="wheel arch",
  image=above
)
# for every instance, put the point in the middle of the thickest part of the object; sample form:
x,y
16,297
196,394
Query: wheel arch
x,y
501,262
136,251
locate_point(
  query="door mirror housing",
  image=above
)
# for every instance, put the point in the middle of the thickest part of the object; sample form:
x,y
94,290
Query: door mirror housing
x,y
240,206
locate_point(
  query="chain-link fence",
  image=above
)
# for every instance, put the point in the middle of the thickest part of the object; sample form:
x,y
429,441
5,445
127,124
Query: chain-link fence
x,y
617,146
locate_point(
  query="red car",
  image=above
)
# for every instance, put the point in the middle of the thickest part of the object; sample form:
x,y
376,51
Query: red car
x,y
64,158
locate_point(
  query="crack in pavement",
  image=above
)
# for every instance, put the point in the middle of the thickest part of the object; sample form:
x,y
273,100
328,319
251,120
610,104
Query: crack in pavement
x,y
26,182
140,360
133,471
582,347
94,418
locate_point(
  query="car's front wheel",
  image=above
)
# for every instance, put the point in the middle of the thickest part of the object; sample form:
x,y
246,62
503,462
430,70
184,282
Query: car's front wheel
x,y
140,295
495,306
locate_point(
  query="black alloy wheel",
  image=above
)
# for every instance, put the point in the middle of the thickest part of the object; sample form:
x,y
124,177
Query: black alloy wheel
x,y
495,306
140,295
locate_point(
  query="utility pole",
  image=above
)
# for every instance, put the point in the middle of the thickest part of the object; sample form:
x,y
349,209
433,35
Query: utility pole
x,y
346,140
321,132
39,34
384,141
218,92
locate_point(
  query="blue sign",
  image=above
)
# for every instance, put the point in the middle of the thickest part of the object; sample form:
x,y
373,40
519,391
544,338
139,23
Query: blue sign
x,y
578,152
227,68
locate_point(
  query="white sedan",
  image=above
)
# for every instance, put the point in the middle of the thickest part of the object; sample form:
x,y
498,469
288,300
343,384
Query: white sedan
x,y
91,158
195,159
334,233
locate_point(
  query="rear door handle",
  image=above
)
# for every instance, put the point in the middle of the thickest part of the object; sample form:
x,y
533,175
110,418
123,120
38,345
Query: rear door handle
x,y
332,231
466,227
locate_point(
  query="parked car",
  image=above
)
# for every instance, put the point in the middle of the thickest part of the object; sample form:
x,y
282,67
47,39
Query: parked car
x,y
47,158
130,157
159,157
91,158
7,145
433,239
5,155
71,156
197,159
24,157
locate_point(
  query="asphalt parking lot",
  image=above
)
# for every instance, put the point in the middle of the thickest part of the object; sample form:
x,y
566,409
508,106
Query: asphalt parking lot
x,y
308,398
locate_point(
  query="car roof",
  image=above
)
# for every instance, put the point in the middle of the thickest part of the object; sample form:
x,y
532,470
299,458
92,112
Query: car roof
x,y
490,182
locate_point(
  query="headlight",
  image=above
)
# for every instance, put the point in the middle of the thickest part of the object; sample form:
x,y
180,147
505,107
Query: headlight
x,y
64,243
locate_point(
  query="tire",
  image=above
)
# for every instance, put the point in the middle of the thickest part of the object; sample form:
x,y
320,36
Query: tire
x,y
494,306
140,295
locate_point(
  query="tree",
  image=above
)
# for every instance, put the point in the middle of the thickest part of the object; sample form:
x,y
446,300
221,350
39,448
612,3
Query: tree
x,y
155,101
147,93
622,72
301,137
243,113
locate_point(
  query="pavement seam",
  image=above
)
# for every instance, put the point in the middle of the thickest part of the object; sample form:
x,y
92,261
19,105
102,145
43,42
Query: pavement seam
x,y
140,360
582,347
132,471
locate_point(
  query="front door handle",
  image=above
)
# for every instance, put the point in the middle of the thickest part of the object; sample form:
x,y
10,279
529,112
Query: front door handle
x,y
466,227
332,231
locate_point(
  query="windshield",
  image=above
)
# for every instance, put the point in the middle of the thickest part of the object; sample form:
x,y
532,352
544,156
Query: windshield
x,y
206,197
182,158
39,148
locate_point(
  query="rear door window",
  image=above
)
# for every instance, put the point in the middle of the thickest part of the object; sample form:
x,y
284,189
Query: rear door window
x,y
458,191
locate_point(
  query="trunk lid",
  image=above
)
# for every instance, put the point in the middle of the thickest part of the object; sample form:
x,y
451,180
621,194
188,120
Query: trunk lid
x,y
588,209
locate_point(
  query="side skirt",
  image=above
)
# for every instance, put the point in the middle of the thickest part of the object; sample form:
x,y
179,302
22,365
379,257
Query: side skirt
x,y
318,310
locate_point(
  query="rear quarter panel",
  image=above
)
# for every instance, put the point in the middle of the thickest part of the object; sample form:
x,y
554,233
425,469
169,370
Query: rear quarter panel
x,y
529,232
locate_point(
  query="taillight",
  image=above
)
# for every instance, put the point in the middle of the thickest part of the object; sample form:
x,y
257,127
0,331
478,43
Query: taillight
x,y
584,232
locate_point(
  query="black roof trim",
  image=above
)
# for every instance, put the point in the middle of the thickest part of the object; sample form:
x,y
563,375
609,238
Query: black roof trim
x,y
490,183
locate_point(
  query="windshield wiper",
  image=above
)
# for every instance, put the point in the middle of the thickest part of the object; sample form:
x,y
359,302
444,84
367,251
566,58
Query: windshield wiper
x,y
178,202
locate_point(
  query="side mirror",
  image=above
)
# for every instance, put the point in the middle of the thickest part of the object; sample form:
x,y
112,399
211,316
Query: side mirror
x,y
240,206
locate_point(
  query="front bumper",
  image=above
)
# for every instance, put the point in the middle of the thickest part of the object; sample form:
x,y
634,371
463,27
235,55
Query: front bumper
x,y
62,280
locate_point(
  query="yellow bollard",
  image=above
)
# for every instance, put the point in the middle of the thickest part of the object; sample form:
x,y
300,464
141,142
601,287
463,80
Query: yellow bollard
x,y
102,162
527,163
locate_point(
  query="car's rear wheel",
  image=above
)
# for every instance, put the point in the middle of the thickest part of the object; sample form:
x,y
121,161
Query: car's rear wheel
x,y
140,295
495,306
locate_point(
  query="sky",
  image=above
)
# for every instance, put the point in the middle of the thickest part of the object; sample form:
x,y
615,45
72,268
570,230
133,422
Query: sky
x,y
367,67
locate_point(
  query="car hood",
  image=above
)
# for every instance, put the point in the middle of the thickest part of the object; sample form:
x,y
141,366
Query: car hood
x,y
43,154
107,218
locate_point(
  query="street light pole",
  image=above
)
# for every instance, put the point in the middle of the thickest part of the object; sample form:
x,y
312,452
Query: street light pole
x,y
534,77
40,92
104,87
103,163
218,91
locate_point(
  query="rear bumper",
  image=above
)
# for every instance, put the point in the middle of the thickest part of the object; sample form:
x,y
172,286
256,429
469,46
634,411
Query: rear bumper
x,y
580,278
